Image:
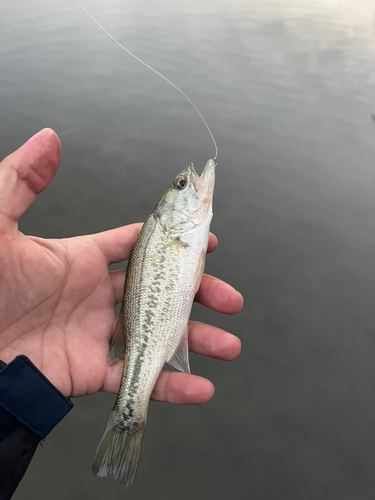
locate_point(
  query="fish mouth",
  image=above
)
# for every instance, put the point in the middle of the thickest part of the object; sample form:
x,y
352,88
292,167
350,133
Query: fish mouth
x,y
208,174
195,178
192,168
206,179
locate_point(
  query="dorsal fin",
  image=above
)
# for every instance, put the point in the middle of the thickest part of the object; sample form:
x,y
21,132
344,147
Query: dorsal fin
x,y
117,345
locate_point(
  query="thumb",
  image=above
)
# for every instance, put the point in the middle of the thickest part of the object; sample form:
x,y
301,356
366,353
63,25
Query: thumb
x,y
26,173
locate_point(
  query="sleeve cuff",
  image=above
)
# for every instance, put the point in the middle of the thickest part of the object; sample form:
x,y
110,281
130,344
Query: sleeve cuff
x,y
30,397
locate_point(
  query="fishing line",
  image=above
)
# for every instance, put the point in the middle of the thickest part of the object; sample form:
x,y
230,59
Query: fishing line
x,y
156,72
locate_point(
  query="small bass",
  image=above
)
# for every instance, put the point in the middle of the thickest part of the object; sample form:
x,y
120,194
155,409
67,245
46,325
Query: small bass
x,y
163,276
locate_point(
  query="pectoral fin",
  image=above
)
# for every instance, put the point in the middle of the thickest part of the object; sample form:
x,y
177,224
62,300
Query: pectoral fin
x,y
176,242
180,359
117,345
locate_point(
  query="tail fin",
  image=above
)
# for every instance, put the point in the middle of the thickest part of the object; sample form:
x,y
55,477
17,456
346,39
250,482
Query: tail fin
x,y
119,450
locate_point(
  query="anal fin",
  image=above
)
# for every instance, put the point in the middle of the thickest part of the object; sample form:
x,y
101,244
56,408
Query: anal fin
x,y
180,359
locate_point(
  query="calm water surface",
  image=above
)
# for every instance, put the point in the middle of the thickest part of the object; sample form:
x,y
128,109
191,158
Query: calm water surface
x,y
288,88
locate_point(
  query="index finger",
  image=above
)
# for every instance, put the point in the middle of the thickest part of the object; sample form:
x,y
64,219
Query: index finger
x,y
117,244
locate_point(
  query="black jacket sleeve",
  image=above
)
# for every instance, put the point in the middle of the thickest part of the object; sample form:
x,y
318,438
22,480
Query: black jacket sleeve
x,y
30,407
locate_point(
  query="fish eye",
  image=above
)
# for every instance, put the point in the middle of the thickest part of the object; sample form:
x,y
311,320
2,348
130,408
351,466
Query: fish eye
x,y
180,182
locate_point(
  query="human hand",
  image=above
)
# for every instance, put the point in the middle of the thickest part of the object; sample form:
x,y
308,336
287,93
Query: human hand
x,y
57,297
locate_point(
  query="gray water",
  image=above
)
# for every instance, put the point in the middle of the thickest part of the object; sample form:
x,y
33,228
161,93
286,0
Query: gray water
x,y
288,87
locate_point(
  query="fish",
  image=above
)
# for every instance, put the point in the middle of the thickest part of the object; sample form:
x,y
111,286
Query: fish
x,y
164,273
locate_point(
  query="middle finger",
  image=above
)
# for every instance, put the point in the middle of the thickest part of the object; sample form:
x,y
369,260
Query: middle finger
x,y
213,342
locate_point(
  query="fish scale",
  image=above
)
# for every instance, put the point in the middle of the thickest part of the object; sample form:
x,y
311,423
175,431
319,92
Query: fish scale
x,y
163,276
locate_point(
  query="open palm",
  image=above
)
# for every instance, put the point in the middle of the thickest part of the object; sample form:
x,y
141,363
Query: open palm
x,y
57,297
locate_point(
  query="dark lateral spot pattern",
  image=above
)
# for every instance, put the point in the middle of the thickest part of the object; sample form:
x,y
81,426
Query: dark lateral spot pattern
x,y
152,302
151,306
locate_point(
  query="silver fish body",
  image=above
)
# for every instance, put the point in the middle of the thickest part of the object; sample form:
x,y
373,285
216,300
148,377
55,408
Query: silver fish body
x,y
163,276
